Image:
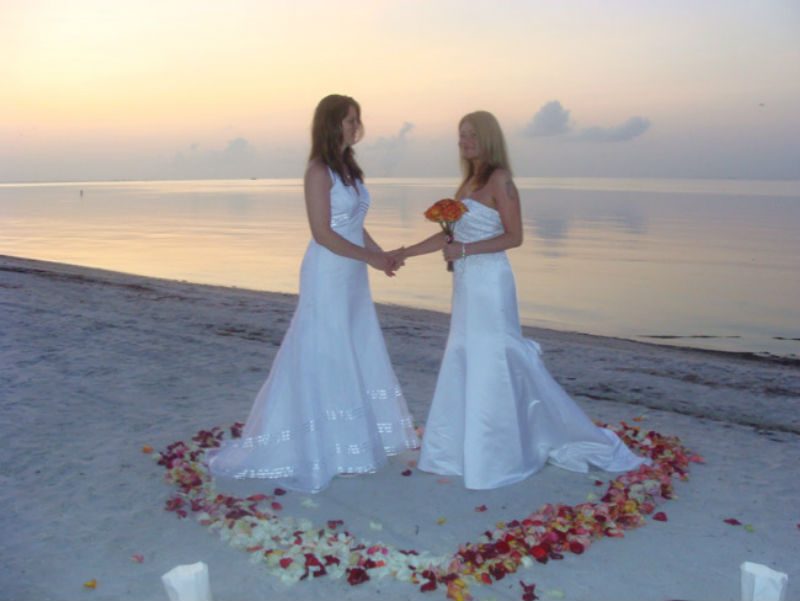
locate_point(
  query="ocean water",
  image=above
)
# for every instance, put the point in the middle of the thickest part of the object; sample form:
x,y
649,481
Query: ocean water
x,y
702,263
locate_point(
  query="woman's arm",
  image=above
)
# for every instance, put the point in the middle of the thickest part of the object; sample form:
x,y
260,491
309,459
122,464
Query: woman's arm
x,y
506,198
397,261
370,244
429,245
317,187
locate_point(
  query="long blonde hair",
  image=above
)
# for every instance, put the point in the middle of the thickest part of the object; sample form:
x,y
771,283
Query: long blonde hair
x,y
492,144
326,136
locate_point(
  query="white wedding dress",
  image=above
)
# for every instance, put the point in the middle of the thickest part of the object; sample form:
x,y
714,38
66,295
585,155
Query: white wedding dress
x,y
497,415
331,404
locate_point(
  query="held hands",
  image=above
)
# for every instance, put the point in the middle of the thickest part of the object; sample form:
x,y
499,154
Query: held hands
x,y
387,262
399,256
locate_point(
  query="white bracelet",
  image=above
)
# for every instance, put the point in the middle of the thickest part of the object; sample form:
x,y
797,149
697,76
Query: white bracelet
x,y
463,251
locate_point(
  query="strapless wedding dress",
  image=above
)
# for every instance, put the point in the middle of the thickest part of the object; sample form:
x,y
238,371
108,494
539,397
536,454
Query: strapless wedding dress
x,y
331,403
497,415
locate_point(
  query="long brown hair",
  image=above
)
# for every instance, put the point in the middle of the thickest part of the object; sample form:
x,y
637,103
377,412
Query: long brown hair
x,y
492,144
326,137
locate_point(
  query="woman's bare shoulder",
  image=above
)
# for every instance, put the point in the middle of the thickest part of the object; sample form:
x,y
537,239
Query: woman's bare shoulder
x,y
501,183
500,177
318,171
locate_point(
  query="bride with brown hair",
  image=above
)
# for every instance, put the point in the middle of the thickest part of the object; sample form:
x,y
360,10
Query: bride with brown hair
x,y
497,415
331,404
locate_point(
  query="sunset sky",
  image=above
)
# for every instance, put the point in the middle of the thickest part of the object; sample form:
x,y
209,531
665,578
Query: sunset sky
x,y
165,89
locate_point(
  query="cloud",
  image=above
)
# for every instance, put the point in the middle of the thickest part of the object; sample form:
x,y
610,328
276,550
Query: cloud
x,y
554,120
630,129
386,152
239,158
551,120
238,148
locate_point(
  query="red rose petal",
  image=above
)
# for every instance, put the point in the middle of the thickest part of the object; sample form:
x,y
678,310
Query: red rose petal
x,y
660,516
481,508
540,553
735,522
285,562
498,571
528,591
276,506
279,492
576,547
430,585
356,576
406,473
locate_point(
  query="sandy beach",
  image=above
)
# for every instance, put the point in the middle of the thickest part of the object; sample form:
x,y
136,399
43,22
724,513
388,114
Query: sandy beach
x,y
95,365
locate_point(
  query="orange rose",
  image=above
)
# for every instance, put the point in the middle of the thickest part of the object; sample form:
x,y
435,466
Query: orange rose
x,y
452,212
447,210
434,213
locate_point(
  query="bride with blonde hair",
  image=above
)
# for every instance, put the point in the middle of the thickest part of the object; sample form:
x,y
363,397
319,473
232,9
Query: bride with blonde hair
x,y
497,415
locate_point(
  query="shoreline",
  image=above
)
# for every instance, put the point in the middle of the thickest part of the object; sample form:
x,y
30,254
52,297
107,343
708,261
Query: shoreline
x,y
32,265
98,365
755,392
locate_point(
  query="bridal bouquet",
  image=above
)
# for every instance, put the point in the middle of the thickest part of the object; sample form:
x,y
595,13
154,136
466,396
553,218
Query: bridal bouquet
x,y
446,212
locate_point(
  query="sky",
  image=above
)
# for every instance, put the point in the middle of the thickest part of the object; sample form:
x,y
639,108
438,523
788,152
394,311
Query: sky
x,y
179,89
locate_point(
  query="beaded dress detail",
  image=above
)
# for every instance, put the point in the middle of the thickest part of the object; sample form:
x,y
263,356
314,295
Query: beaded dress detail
x,y
332,403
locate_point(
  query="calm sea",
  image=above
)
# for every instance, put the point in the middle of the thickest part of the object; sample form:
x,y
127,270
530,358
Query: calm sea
x,y
702,263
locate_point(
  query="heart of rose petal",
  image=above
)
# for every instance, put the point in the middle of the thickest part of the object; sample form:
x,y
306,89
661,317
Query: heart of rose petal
x,y
497,570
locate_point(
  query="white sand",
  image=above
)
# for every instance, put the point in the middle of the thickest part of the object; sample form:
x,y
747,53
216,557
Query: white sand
x,y
95,364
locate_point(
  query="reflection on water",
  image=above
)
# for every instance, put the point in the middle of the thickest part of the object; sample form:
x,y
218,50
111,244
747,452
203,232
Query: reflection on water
x,y
700,263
